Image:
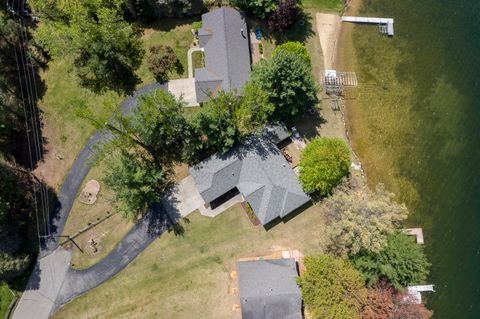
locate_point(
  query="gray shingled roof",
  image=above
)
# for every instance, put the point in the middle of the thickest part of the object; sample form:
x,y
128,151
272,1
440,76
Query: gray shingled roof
x,y
268,289
226,50
259,171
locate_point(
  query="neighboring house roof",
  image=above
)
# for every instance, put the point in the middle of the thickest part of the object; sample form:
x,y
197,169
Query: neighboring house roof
x,y
268,289
226,51
260,172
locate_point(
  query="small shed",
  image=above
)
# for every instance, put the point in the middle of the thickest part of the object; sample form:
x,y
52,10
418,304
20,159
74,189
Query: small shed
x,y
268,289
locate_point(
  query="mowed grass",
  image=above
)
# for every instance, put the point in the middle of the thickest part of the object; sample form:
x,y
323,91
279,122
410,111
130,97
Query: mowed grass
x,y
109,232
324,5
175,33
198,60
65,133
106,234
5,299
189,276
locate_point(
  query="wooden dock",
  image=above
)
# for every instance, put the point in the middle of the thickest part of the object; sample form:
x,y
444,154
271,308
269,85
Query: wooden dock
x,y
417,232
382,22
414,293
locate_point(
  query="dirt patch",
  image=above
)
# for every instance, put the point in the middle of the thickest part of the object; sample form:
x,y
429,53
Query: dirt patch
x,y
89,193
181,171
328,29
53,166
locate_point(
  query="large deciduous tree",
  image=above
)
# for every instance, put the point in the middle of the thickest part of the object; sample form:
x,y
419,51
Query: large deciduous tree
x,y
284,15
323,164
288,81
258,8
142,150
402,262
385,302
253,111
295,47
361,220
225,120
331,288
161,60
137,183
105,48
212,129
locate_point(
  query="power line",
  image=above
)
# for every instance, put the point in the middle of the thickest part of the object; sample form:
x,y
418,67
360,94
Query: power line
x,y
27,132
36,121
27,94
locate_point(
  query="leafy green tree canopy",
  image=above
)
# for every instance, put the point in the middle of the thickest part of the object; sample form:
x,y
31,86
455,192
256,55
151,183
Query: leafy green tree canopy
x,y
213,128
14,211
153,130
331,288
137,184
161,60
105,48
142,151
254,109
294,47
323,164
402,262
288,81
360,220
258,8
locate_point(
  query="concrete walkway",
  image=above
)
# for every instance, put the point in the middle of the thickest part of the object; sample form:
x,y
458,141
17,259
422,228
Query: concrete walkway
x,y
190,62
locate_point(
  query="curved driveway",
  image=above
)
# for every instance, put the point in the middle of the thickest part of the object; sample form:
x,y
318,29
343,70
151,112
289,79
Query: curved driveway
x,y
53,283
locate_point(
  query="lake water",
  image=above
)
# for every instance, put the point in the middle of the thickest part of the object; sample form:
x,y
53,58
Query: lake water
x,y
415,122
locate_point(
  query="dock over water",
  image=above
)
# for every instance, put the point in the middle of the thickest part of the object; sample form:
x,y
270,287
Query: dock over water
x,y
386,22
417,232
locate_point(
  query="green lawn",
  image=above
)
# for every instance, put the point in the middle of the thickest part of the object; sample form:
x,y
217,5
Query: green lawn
x,y
5,298
198,60
64,131
106,234
188,276
172,32
324,5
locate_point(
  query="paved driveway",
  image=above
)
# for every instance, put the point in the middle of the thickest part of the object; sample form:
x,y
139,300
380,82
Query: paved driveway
x,y
182,199
185,89
52,282
38,299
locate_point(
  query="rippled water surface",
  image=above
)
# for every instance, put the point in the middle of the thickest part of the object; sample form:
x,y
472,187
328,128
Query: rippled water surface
x,y
415,120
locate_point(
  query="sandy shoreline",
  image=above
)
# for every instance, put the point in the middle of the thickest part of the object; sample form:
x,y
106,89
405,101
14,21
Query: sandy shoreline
x,y
328,29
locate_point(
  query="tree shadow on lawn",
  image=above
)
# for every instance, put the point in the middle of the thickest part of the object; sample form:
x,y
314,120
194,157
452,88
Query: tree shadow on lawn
x,y
169,24
300,31
309,123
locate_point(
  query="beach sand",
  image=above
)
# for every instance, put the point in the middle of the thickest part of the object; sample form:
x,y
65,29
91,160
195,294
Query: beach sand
x,y
328,29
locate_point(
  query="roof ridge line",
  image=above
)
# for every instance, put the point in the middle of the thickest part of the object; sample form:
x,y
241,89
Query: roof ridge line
x,y
224,22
